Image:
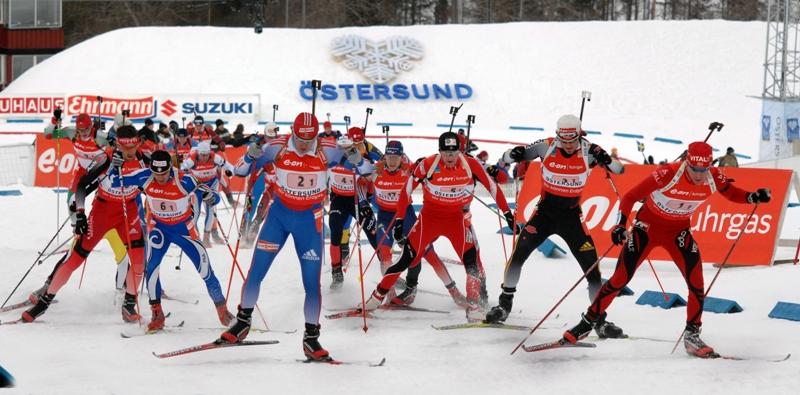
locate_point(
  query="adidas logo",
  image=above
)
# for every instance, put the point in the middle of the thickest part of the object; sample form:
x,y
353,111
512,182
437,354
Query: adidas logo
x,y
587,246
311,255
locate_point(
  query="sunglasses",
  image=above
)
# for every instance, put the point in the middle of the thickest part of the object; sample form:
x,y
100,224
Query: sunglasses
x,y
699,169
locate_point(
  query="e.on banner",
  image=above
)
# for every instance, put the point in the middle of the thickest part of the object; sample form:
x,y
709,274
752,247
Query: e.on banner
x,y
715,224
51,152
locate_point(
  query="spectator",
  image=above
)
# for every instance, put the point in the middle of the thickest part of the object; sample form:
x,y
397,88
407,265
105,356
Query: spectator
x,y
727,160
650,160
327,131
147,132
614,153
222,132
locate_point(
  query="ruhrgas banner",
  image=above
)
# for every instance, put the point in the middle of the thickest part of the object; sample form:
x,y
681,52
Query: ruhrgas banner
x,y
715,224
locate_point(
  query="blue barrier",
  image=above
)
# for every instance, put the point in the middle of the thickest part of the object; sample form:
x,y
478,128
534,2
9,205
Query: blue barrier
x,y
719,305
786,311
656,299
625,291
666,140
529,128
511,205
592,132
11,192
548,248
395,124
24,120
60,190
628,135
447,125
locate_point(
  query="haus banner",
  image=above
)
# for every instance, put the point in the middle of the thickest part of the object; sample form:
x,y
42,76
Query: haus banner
x,y
715,224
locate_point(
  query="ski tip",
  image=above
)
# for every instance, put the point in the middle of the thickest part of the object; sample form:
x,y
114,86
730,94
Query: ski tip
x,y
381,363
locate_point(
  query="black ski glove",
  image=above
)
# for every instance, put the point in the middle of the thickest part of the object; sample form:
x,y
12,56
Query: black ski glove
x,y
117,160
397,231
762,195
228,173
81,223
619,234
601,156
517,153
57,113
493,171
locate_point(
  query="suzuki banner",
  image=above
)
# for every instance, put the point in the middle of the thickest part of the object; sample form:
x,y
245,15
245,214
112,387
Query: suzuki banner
x,y
716,224
236,108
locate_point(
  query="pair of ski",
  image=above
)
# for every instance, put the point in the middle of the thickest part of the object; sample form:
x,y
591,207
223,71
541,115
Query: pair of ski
x,y
563,343
357,312
20,305
217,344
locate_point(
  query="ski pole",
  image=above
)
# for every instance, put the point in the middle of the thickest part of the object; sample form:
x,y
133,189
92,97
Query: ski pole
x,y
358,237
366,120
374,253
274,110
315,85
470,121
236,264
385,130
719,269
619,199
714,126
347,122
585,96
55,250
127,232
597,262
454,112
34,262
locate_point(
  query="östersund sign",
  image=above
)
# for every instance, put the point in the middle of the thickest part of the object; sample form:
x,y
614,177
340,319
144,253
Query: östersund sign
x,y
381,62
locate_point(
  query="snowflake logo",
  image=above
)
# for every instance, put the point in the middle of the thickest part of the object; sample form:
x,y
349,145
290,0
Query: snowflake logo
x,y
379,61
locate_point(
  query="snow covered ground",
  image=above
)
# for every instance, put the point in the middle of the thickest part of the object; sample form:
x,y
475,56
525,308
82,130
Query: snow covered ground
x,y
76,346
658,79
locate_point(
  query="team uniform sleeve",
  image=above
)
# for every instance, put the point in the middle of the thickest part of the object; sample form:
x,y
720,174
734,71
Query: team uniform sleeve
x,y
537,150
224,164
480,174
91,180
615,166
138,178
643,189
248,164
726,187
187,164
405,194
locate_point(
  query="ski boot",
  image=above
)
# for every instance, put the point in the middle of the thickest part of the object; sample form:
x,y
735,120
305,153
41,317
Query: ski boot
x,y
580,331
240,328
405,298
695,346
607,330
457,296
337,276
129,313
216,237
498,314
225,316
35,295
157,321
39,308
311,346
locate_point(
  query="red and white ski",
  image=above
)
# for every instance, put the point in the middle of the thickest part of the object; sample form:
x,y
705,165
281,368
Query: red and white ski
x,y
560,343
212,346
338,362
